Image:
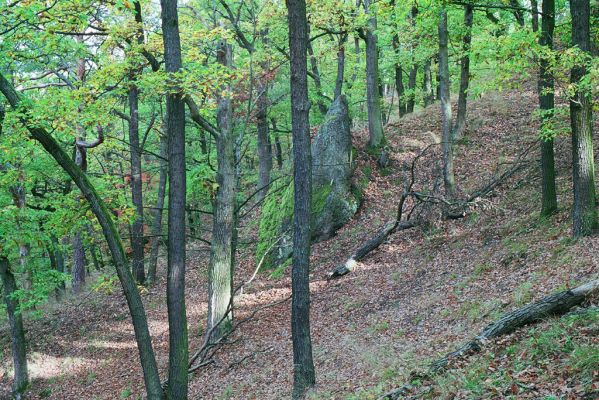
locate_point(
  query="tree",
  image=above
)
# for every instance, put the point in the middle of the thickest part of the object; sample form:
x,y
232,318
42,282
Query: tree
x,y
136,308
303,364
175,127
17,332
444,85
546,105
373,100
584,214
460,123
156,238
222,249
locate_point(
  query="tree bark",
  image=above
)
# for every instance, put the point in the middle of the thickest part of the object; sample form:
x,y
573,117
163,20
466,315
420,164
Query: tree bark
x,y
220,281
427,84
175,126
264,144
534,6
340,66
412,89
58,256
546,105
584,215
460,123
303,364
158,211
317,82
444,83
517,11
17,332
373,100
137,228
78,268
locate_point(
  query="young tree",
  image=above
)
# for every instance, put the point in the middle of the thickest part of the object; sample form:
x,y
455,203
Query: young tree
x,y
157,223
303,364
373,99
584,214
17,333
546,104
444,85
175,127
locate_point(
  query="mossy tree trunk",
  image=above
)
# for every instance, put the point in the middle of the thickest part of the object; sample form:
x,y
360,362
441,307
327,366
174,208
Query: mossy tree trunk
x,y
303,364
17,332
136,308
546,105
584,215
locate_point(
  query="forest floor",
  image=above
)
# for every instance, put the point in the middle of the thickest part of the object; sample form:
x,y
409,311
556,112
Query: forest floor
x,y
418,296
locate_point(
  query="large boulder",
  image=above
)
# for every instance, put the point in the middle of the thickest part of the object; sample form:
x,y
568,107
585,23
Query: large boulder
x,y
333,200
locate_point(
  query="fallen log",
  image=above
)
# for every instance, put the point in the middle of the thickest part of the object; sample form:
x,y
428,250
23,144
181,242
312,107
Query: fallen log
x,y
554,304
369,246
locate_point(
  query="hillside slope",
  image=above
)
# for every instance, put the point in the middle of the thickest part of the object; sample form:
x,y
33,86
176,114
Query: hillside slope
x,y
416,297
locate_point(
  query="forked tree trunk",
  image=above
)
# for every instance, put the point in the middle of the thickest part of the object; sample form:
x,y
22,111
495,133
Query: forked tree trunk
x,y
136,308
17,332
584,215
373,100
175,281
460,123
444,83
546,104
303,364
220,281
158,211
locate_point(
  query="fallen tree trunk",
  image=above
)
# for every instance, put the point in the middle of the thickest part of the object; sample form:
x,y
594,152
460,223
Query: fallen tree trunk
x,y
553,304
369,246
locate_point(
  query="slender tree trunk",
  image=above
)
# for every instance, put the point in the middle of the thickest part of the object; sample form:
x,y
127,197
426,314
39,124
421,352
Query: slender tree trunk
x,y
460,123
175,124
136,308
303,364
444,83
78,268
317,82
584,214
546,104
412,89
278,147
534,6
137,228
158,211
264,145
373,100
340,66
17,332
20,201
58,255
427,84
220,281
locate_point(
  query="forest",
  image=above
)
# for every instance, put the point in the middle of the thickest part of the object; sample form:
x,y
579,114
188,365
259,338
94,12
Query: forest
x,y
305,199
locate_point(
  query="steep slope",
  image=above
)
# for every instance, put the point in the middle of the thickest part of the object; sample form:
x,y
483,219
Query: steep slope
x,y
416,297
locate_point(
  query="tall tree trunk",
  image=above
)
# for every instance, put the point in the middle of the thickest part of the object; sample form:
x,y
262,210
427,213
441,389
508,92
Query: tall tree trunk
x,y
136,308
412,89
58,256
78,267
158,211
534,6
427,84
584,215
20,201
460,123
546,104
175,124
340,66
373,100
399,87
303,364
278,147
17,332
444,83
264,145
220,281
137,228
317,82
